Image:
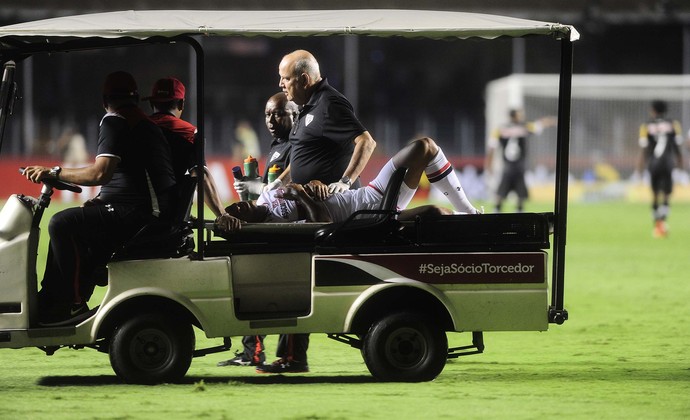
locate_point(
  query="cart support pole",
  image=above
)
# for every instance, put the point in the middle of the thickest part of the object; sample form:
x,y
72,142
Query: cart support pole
x,y
199,145
6,95
557,313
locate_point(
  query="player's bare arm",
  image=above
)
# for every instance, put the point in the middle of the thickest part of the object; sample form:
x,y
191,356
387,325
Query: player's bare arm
x,y
315,211
211,196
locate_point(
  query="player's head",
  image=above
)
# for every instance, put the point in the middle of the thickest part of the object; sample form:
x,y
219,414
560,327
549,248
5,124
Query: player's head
x,y
167,94
659,107
248,211
515,114
280,114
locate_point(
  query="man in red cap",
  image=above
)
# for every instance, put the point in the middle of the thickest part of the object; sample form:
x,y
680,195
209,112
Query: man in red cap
x,y
133,166
167,101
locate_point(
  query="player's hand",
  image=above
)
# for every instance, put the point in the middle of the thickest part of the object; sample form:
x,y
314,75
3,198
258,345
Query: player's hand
x,y
273,185
679,175
338,187
227,223
318,190
290,191
252,186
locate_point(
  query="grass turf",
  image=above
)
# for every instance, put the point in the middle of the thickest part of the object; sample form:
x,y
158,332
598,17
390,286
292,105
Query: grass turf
x,y
624,353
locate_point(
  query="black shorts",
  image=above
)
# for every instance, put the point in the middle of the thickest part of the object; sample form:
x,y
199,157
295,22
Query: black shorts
x,y
662,180
512,179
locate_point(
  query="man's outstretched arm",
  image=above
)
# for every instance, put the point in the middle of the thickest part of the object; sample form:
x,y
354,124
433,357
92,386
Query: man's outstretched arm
x,y
364,147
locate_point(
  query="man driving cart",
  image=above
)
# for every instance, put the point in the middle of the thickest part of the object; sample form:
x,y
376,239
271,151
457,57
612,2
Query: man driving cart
x,y
133,167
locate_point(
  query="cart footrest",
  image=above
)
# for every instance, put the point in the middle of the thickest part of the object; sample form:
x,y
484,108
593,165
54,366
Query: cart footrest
x,y
476,347
347,339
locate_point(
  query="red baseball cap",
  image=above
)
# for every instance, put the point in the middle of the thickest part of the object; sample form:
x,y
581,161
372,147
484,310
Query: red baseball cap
x,y
120,83
166,89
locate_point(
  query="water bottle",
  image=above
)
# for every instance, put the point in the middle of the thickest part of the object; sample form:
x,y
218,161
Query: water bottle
x,y
274,172
251,167
251,171
237,173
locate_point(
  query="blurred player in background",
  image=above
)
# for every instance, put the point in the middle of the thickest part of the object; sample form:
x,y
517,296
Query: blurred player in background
x,y
660,152
511,140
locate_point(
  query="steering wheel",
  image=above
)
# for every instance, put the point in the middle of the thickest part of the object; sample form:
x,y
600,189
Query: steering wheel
x,y
57,184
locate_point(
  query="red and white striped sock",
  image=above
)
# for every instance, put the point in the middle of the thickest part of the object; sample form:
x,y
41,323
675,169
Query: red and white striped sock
x,y
442,176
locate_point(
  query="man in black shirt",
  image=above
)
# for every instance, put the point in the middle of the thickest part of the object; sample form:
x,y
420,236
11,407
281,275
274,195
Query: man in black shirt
x,y
329,143
280,115
133,167
510,140
660,151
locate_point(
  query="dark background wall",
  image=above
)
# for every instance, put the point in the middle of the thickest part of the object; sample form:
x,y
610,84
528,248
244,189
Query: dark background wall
x,y
405,87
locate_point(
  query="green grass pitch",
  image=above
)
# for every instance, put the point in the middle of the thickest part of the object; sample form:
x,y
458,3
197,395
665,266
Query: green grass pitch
x,y
624,353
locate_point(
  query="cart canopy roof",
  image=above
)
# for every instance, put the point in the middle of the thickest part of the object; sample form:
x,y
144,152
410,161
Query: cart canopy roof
x,y
277,23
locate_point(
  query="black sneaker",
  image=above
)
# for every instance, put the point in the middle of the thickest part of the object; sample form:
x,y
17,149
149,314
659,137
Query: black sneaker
x,y
238,360
59,315
283,366
235,361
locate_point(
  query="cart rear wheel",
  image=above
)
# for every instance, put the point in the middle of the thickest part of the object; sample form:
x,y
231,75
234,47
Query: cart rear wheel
x,y
405,347
151,348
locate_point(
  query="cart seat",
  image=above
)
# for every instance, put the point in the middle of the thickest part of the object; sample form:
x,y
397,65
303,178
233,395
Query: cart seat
x,y
165,238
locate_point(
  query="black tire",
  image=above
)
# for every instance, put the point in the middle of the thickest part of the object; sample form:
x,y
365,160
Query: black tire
x,y
405,347
152,348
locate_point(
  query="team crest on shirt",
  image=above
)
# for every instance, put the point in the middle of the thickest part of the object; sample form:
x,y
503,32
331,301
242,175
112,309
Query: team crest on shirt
x,y
274,156
309,118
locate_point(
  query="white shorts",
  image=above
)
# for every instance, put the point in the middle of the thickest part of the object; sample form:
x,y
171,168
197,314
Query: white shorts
x,y
381,183
341,206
